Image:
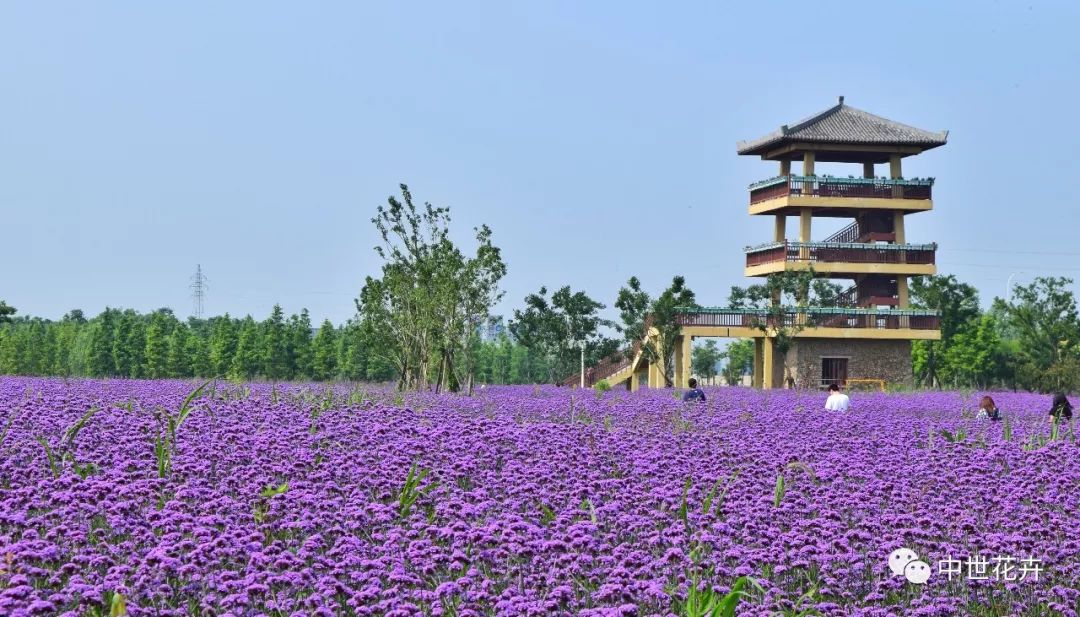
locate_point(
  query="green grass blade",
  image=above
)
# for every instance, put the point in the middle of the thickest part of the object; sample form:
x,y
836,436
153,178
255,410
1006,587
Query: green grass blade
x,y
49,456
185,408
73,431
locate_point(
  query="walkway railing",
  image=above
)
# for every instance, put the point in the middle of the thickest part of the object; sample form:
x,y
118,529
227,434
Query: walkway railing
x,y
605,368
840,317
841,252
755,318
827,186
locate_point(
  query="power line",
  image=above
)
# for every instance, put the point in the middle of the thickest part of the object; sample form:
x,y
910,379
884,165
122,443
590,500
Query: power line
x,y
198,291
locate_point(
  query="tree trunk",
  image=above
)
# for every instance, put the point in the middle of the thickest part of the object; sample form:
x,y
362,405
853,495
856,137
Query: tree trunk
x,y
442,372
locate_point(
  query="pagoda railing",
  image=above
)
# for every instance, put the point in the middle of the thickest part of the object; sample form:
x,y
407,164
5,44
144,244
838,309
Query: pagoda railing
x,y
839,317
828,186
841,252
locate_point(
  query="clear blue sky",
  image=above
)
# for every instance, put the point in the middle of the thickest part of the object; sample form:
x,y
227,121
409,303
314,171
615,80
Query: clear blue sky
x,y
138,139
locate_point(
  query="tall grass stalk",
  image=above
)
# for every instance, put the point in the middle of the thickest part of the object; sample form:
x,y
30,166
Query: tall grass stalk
x,y
65,452
411,492
165,442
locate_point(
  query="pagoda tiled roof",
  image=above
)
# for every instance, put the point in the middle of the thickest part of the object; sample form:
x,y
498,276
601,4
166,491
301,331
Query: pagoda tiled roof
x,y
844,124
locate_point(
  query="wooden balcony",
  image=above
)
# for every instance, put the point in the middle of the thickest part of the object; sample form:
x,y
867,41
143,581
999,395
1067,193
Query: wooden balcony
x,y
842,258
840,195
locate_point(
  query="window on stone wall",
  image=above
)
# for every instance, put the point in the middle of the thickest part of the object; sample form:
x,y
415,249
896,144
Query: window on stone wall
x,y
834,371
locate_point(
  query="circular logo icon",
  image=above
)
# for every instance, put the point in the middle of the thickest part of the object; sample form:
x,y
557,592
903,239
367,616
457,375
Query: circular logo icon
x,y
900,558
917,572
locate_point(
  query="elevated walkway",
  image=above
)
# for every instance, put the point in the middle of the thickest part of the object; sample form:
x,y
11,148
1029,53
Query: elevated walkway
x,y
632,367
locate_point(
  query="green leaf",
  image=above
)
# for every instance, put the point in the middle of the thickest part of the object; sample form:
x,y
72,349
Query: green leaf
x,y
73,431
185,408
683,514
271,491
118,606
727,605
547,515
53,467
779,491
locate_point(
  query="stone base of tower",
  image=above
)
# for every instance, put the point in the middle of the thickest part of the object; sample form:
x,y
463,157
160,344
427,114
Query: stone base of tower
x,y
813,363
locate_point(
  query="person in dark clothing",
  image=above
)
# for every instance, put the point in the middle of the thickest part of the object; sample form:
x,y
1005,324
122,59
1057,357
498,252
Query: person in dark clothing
x,y
1061,408
695,393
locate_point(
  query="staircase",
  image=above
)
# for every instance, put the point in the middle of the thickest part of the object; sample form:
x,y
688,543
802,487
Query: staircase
x,y
851,233
849,298
877,230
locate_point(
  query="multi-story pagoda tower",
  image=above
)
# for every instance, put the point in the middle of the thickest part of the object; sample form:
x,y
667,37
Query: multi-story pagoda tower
x,y
864,334
867,334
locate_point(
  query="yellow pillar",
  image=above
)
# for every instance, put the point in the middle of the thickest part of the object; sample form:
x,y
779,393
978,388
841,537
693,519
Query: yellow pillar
x,y
759,359
780,228
804,232
895,173
785,168
635,381
768,363
656,376
808,170
901,281
868,170
683,355
894,167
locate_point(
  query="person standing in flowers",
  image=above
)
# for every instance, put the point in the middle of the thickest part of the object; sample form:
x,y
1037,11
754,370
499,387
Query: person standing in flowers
x,y
988,410
837,401
1061,408
694,393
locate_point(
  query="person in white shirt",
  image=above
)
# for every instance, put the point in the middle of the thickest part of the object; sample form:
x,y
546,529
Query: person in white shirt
x,y
837,400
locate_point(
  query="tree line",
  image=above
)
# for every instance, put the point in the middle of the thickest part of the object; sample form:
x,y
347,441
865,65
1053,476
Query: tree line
x,y
158,345
421,322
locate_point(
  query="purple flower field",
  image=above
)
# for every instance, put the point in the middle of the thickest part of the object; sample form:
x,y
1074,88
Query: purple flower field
x,y
316,500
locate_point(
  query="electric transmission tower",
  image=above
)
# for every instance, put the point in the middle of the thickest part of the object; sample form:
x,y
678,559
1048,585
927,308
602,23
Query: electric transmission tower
x,y
198,291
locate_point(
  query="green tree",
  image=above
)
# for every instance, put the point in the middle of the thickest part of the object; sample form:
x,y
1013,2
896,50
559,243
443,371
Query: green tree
x,y
324,357
973,352
6,311
704,359
958,305
102,341
299,345
1043,316
129,345
740,357
351,357
246,361
177,361
773,300
554,330
639,313
198,354
273,347
421,314
223,341
157,345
